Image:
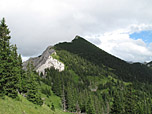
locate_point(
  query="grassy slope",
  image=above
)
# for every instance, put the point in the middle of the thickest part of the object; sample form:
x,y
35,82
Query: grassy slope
x,y
23,106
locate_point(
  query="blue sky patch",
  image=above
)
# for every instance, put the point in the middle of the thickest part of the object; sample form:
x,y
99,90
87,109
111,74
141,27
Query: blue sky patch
x,y
146,36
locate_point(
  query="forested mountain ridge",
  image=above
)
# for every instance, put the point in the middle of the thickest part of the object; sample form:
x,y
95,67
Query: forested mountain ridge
x,y
83,48
124,70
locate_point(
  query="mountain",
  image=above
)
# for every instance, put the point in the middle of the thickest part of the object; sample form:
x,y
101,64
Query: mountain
x,y
125,71
88,51
89,80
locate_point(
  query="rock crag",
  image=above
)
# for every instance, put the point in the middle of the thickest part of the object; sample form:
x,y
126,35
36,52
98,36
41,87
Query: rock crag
x,y
45,61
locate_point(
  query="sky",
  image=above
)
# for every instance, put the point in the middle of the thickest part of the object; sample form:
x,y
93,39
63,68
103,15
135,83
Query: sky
x,y
120,27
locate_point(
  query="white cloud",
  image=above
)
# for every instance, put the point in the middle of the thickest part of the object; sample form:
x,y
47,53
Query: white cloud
x,y
121,45
35,24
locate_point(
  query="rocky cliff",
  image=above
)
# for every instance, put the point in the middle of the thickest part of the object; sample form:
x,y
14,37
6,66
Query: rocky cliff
x,y
45,61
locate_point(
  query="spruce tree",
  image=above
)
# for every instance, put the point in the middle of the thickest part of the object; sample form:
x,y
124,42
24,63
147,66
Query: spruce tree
x,y
70,98
4,52
117,106
14,71
130,101
21,74
32,85
89,107
8,75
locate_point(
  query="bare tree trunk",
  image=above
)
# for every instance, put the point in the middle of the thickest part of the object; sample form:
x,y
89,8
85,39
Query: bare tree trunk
x,y
108,108
63,100
78,111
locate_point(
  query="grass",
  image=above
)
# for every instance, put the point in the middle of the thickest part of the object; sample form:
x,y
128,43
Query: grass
x,y
23,106
51,99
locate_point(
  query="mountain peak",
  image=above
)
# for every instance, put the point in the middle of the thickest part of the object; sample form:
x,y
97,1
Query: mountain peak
x,y
77,37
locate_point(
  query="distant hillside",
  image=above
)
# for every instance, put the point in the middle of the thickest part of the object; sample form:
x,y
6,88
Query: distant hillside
x,y
124,70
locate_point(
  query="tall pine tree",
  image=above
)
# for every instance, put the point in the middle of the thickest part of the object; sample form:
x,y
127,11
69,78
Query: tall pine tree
x,y
8,54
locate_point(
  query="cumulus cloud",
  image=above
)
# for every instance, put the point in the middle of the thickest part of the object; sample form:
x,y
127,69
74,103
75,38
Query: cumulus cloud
x,y
35,24
121,45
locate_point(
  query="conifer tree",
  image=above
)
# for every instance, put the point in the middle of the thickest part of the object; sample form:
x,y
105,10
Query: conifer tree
x,y
21,74
32,86
116,107
130,103
89,107
14,71
4,52
8,53
70,98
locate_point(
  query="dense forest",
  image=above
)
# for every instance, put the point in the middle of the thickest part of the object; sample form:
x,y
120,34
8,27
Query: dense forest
x,y
93,82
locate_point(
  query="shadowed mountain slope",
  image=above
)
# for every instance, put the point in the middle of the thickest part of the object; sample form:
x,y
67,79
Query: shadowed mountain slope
x,y
124,70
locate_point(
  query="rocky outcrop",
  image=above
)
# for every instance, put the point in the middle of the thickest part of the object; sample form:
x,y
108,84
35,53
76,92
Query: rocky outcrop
x,y
45,61
51,62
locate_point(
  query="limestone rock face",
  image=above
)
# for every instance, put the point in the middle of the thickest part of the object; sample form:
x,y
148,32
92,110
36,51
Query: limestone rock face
x,y
51,62
45,61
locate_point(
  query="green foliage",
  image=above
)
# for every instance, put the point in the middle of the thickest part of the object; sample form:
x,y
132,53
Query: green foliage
x,y
117,107
46,91
55,56
89,107
52,107
32,86
10,70
130,101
